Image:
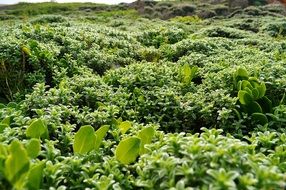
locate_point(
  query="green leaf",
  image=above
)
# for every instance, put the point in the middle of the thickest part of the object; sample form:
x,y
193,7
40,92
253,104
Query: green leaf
x,y
240,74
239,83
254,81
255,93
188,73
12,105
260,118
248,90
100,134
17,163
128,150
245,84
244,97
6,120
3,151
146,136
33,148
124,126
193,72
261,89
253,107
265,104
84,140
35,176
37,129
2,127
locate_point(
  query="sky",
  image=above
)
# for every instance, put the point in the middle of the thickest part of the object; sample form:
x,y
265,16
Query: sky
x,y
65,1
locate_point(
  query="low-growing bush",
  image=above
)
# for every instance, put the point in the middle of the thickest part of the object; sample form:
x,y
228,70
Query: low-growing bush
x,y
275,29
225,32
49,19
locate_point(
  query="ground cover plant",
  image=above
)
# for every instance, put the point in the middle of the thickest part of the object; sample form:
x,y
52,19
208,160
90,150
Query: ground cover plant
x,y
99,97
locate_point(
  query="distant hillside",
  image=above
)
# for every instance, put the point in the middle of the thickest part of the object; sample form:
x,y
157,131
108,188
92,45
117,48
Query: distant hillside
x,y
151,9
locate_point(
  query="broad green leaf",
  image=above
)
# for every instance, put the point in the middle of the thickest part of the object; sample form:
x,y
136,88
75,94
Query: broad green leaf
x,y
186,73
84,140
260,118
2,105
100,134
261,89
17,163
12,105
3,151
33,148
124,126
255,93
254,81
6,120
3,156
241,74
239,85
37,129
2,127
254,107
265,104
35,176
248,90
244,97
146,136
193,72
128,150
245,84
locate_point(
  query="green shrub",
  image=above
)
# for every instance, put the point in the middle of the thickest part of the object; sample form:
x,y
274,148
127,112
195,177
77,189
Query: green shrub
x,y
275,29
225,32
209,160
49,19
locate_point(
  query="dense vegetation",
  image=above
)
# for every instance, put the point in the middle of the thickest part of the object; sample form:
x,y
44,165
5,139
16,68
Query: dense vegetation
x,y
99,97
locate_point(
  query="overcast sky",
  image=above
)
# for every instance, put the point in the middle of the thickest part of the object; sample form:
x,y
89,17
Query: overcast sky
x,y
65,1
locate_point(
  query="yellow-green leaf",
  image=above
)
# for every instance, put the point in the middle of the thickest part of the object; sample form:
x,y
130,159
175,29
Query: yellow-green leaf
x,y
84,140
35,176
17,163
100,134
33,148
128,150
146,136
124,126
37,129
